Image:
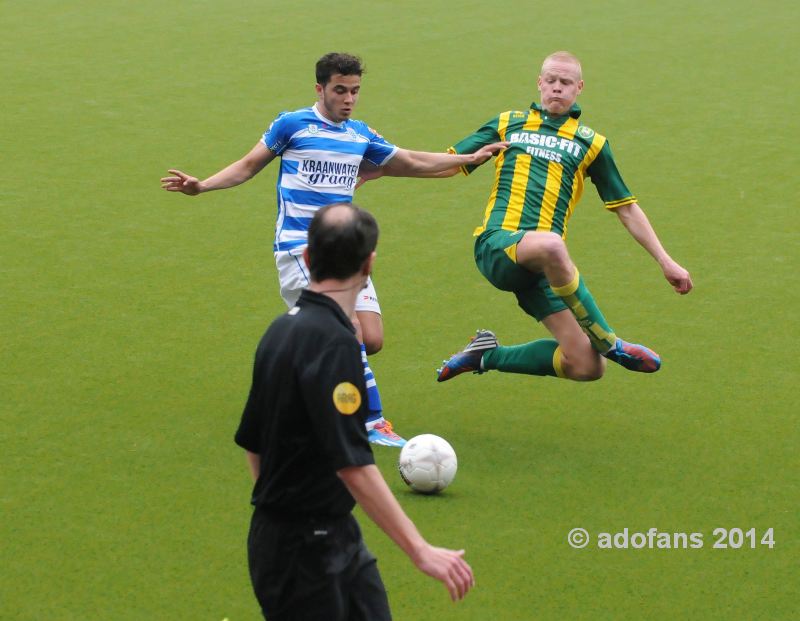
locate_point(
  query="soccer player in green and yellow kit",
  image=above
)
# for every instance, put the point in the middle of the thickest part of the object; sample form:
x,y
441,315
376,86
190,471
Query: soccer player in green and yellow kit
x,y
520,245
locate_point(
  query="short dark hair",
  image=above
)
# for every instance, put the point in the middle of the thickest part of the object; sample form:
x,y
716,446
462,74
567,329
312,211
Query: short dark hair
x,y
335,62
339,243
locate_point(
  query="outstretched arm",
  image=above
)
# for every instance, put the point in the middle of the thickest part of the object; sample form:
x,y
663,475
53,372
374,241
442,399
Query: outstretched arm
x,y
237,173
370,172
367,486
635,220
424,164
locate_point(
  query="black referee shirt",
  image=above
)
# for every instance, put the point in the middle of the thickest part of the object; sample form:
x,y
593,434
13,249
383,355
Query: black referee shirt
x,y
306,411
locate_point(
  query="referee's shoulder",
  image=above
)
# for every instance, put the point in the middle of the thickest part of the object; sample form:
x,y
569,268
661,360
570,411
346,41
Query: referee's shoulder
x,y
315,321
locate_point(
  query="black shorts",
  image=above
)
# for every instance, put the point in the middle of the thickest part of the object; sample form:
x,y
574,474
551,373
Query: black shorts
x,y
314,570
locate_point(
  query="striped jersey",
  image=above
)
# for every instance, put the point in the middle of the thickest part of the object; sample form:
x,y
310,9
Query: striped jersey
x,y
539,178
319,166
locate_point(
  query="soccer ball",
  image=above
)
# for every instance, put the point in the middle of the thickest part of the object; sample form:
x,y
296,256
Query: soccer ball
x,y
428,463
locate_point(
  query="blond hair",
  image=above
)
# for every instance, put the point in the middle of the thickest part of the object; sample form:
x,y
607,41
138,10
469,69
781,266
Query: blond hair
x,y
565,57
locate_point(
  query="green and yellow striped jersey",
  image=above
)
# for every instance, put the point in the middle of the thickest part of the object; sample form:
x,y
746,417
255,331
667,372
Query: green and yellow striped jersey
x,y
539,177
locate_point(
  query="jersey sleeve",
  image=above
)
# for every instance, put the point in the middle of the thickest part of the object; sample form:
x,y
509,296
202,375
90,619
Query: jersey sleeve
x,y
336,400
486,134
379,150
248,435
277,136
606,177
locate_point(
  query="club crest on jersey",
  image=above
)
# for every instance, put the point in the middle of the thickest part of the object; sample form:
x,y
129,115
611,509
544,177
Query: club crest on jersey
x,y
585,132
352,133
313,129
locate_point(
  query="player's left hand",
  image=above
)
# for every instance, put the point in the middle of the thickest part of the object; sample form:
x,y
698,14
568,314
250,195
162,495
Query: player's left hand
x,y
678,277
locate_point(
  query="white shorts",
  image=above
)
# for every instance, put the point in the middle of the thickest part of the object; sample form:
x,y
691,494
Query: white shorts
x,y
293,277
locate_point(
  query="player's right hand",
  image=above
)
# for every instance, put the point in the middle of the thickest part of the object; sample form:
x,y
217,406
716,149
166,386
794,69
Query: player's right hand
x,y
678,277
181,182
449,567
368,172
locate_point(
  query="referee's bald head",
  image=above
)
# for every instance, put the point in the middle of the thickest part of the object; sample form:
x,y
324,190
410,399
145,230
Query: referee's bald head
x,y
341,238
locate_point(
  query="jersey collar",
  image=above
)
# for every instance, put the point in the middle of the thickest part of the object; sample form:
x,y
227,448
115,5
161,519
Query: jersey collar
x,y
574,111
325,119
312,297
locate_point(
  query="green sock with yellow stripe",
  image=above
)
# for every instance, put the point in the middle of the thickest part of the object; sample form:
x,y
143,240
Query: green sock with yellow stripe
x,y
580,301
542,357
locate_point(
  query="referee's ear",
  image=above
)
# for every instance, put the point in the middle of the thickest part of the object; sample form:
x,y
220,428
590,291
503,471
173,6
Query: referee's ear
x,y
306,259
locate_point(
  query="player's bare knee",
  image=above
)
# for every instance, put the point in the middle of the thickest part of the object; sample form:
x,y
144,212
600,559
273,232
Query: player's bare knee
x,y
554,247
539,250
373,343
553,257
370,329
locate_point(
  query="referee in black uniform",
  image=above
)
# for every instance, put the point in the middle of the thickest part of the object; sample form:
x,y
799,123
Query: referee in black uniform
x,y
303,430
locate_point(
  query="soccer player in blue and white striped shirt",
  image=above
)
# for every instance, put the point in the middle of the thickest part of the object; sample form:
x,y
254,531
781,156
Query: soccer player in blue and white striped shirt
x,y
321,149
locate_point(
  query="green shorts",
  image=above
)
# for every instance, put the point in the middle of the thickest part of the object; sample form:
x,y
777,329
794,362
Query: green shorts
x,y
493,251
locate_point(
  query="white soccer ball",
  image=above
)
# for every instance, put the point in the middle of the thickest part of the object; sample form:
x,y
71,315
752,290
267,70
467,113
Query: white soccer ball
x,y
428,463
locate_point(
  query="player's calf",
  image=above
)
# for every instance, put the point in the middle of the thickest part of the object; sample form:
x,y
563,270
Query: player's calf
x,y
588,366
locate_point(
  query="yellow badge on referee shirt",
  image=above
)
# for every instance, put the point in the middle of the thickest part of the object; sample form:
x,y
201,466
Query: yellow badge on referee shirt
x,y
346,398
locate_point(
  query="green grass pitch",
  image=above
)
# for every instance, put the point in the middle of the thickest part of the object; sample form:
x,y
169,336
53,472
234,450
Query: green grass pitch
x,y
130,316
